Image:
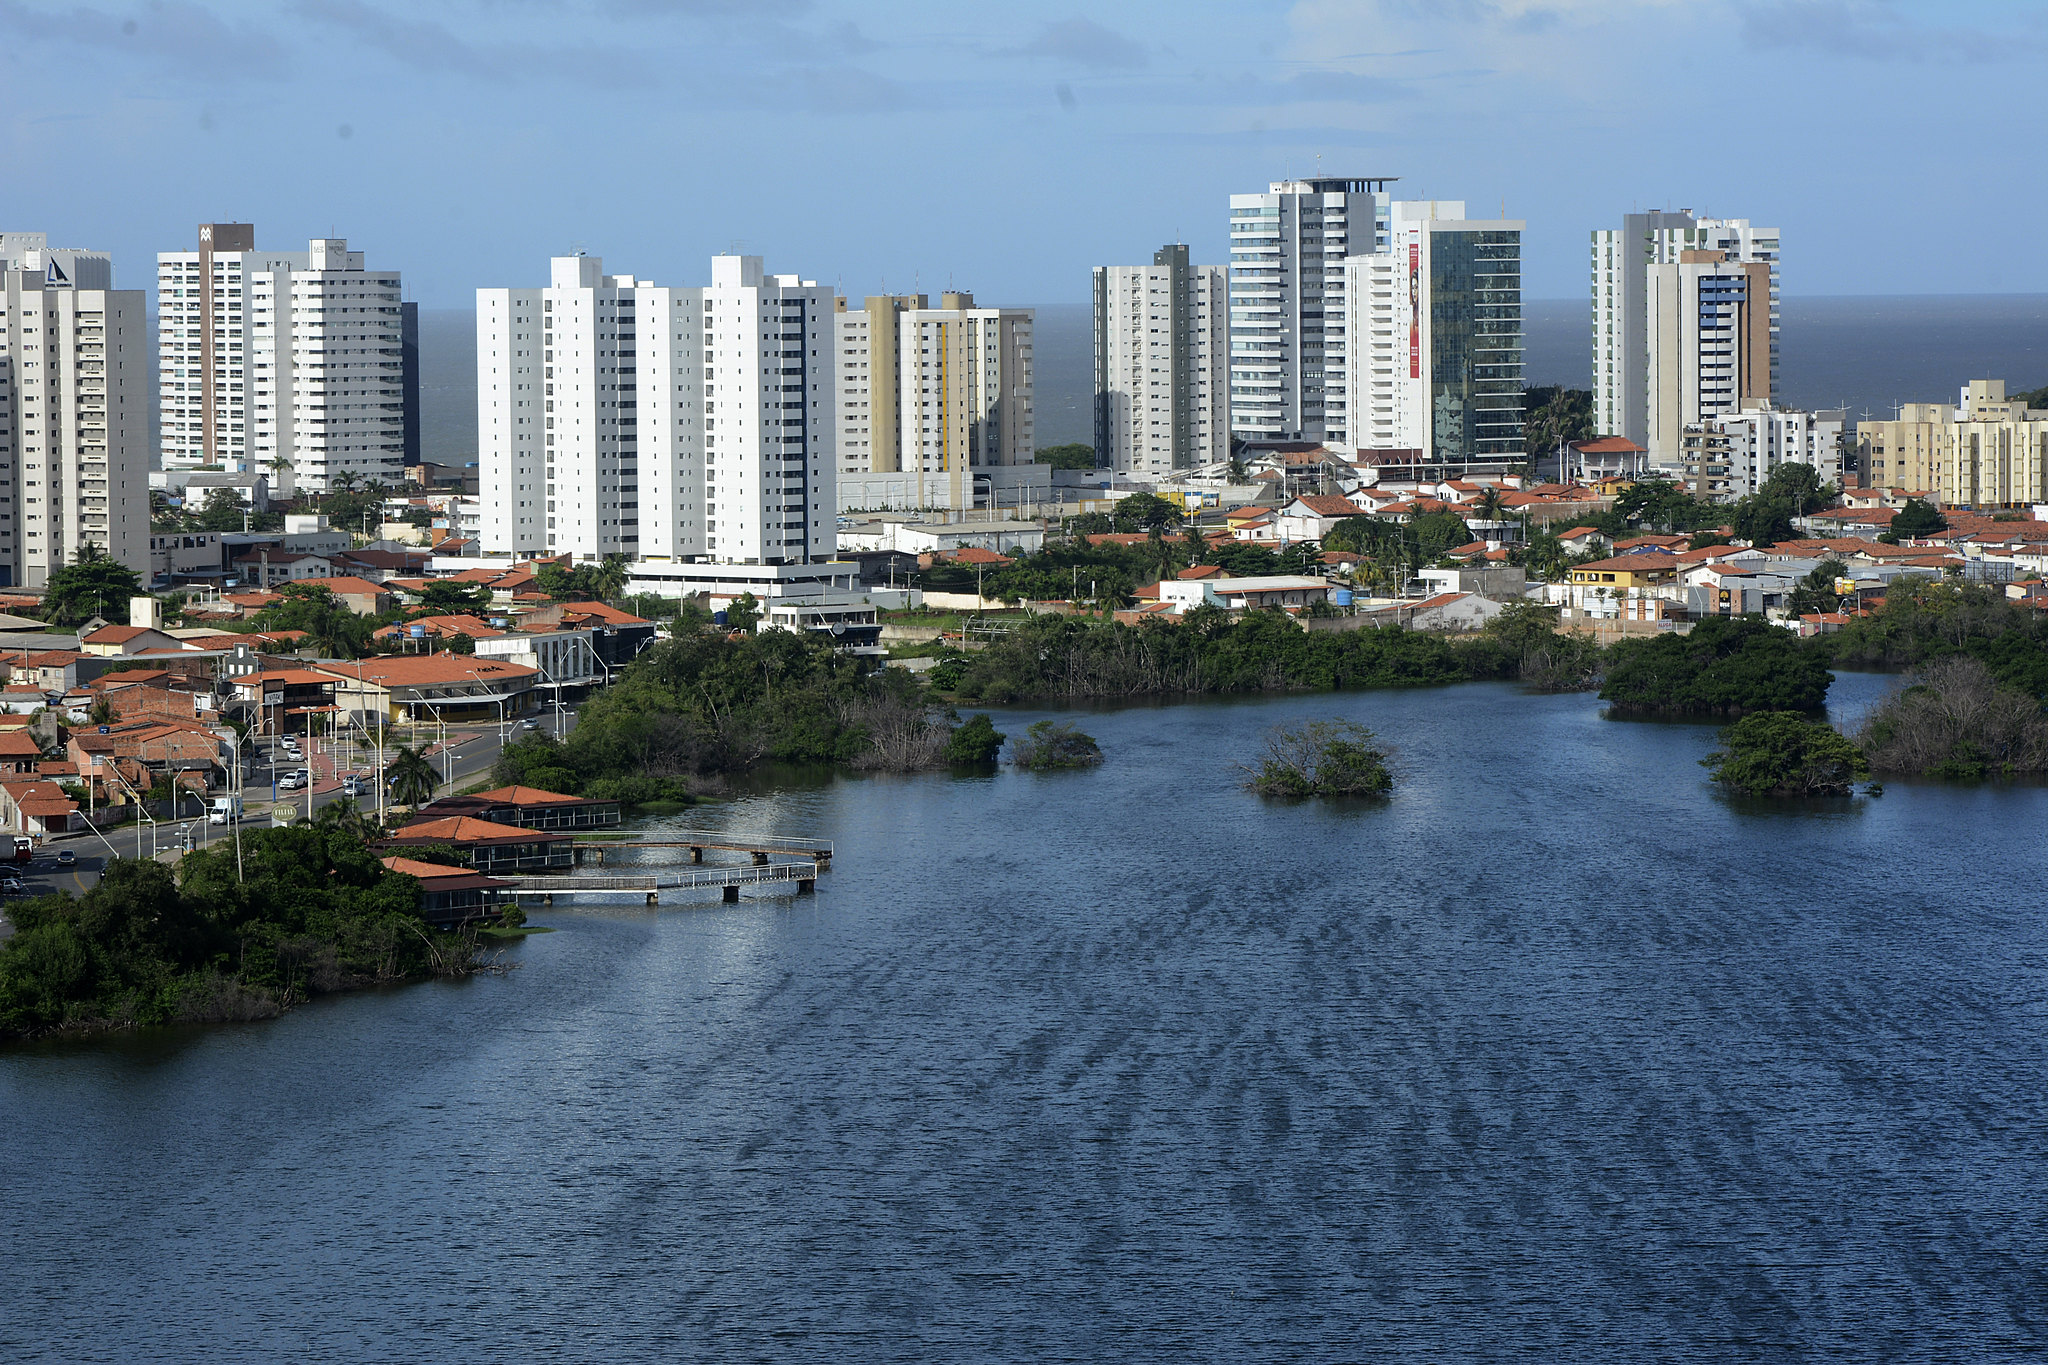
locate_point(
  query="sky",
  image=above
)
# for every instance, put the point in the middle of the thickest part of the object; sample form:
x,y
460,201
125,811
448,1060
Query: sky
x,y
1007,148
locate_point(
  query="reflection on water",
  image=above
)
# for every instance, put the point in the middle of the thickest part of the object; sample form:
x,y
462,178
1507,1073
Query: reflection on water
x,y
1556,1055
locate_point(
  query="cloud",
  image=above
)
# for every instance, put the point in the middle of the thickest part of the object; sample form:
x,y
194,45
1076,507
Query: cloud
x,y
849,90
707,9
188,36
1082,42
1872,30
1349,87
429,46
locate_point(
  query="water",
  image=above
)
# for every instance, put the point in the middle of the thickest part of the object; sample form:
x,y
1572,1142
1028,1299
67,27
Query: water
x,y
1559,1055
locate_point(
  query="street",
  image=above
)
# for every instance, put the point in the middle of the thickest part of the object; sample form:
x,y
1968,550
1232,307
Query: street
x,y
470,754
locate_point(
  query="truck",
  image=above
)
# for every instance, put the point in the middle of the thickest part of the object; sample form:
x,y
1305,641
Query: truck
x,y
224,810
24,849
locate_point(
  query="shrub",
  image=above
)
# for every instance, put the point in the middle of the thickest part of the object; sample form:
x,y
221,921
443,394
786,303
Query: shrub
x,y
1321,758
1779,753
975,741
1055,744
1724,667
1954,721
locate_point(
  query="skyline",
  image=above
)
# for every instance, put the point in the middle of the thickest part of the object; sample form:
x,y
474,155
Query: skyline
x,y
904,147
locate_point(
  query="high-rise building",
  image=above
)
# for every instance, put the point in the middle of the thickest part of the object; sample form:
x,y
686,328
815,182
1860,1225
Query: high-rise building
x,y
290,363
1730,457
1710,323
1162,346
1986,451
1287,325
1435,360
934,392
1622,351
74,431
616,416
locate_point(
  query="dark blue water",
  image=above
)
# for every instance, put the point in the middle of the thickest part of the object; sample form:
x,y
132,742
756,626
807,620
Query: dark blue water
x,y
1558,1056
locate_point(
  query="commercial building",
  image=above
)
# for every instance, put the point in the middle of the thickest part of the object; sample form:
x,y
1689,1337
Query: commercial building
x,y
1162,349
1287,315
291,362
1626,356
1710,326
1730,457
928,391
1985,451
74,456
665,424
1434,362
428,689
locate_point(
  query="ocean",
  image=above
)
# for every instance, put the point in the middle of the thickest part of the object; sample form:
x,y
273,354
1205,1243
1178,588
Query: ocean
x,y
1865,353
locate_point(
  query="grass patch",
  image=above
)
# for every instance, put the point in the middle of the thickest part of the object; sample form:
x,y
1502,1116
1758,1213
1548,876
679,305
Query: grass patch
x,y
521,932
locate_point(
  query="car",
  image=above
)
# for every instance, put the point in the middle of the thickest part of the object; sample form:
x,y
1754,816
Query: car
x,y
529,724
66,858
351,786
290,782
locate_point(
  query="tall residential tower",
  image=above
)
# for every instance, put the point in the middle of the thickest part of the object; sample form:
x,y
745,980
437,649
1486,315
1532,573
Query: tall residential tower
x,y
1625,355
1162,338
1435,362
74,431
291,363
1287,324
617,416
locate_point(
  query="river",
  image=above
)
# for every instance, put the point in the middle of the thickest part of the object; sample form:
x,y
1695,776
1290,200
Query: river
x,y
1558,1055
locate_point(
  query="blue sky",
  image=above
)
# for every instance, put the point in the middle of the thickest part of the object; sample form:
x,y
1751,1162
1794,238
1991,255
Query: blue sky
x,y
1007,148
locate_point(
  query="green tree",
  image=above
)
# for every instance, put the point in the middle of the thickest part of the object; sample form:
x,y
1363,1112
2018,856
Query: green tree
x,y
743,613
1801,485
1816,591
1055,744
446,597
1779,753
1321,758
608,578
1553,416
1436,533
93,584
1073,455
221,511
976,740
1725,666
1915,518
411,777
1144,512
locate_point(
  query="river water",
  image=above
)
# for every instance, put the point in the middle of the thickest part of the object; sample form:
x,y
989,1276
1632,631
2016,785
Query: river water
x,y
1558,1055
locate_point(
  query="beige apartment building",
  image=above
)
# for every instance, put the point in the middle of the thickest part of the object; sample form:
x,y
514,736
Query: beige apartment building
x,y
1989,451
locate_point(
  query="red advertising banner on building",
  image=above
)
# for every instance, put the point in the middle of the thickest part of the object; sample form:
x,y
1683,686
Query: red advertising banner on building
x,y
1415,310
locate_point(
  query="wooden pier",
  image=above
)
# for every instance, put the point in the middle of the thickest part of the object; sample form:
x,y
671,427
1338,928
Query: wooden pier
x,y
726,880
763,847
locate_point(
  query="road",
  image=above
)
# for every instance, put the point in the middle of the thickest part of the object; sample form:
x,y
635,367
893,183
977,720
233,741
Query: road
x,y
470,755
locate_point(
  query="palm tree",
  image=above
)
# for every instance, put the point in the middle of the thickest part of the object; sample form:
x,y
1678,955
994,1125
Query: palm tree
x,y
1488,504
411,777
610,577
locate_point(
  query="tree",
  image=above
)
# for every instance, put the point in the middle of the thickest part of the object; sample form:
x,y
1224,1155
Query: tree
x,y
103,712
1435,533
1816,592
1073,455
446,597
1553,416
608,578
1917,518
1321,758
1954,720
91,585
742,613
1489,505
1144,512
1055,744
1764,520
1726,666
975,741
411,777
1778,753
222,511
1801,485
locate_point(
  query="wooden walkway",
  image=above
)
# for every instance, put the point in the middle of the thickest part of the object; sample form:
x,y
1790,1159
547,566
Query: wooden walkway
x,y
727,880
762,846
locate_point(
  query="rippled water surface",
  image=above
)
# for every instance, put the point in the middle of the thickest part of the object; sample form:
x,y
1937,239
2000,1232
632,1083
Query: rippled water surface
x,y
1559,1055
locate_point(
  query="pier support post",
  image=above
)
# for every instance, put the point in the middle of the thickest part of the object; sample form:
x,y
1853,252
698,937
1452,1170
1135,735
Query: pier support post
x,y
653,899
732,894
548,899
696,854
807,886
760,858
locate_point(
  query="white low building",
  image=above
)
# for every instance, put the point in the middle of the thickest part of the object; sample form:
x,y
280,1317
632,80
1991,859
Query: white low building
x,y
1244,594
923,537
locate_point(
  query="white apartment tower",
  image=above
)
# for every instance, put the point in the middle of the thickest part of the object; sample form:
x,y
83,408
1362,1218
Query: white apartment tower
x,y
290,363
617,416
1162,343
74,432
1435,361
934,393
1623,355
1731,457
1287,325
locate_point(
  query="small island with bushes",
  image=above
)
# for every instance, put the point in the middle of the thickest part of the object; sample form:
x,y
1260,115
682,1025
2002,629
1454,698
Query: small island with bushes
x,y
1331,758
1052,745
